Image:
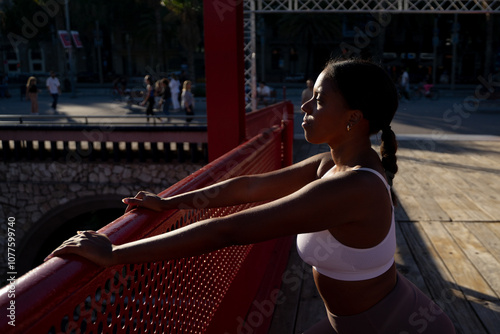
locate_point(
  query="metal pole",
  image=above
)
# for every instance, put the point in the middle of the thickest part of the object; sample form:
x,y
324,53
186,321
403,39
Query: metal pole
x,y
70,53
99,58
435,44
454,42
253,45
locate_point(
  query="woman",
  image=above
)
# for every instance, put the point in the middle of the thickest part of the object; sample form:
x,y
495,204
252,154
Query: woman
x,y
187,100
339,203
174,85
166,96
149,97
32,94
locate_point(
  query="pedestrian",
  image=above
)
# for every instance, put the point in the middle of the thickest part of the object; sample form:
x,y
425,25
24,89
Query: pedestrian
x,y
32,94
405,84
340,204
187,100
307,93
263,93
54,88
166,97
174,91
149,96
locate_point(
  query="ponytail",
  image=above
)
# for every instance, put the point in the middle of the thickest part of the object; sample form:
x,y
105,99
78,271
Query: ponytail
x,y
388,149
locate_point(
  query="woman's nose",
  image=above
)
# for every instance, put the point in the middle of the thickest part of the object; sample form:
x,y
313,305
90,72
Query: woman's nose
x,y
305,107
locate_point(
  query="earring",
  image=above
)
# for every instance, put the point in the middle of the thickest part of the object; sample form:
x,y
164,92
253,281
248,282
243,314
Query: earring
x,y
348,126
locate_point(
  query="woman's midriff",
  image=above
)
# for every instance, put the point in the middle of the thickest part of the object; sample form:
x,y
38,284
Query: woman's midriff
x,y
354,297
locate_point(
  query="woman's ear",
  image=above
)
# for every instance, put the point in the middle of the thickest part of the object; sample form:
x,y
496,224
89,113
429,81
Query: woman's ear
x,y
355,116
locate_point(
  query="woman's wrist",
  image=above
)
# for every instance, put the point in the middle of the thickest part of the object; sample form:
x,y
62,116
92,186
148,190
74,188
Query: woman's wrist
x,y
115,256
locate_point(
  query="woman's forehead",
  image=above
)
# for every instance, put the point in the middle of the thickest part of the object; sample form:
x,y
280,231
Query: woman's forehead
x,y
322,83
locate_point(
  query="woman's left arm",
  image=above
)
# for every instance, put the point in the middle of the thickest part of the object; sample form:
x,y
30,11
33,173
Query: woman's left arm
x,y
320,205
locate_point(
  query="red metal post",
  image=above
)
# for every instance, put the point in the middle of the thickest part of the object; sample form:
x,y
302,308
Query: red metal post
x,y
224,70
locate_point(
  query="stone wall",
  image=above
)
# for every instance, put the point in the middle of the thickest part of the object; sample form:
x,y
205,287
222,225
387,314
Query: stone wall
x,y
30,190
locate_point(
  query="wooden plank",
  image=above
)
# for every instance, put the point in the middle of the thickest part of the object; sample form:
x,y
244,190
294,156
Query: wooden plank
x,y
495,228
287,304
489,234
486,153
444,178
440,282
460,208
411,205
399,211
475,213
479,250
418,187
476,290
467,193
405,263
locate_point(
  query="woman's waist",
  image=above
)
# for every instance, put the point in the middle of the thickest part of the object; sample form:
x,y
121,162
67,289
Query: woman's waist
x,y
354,297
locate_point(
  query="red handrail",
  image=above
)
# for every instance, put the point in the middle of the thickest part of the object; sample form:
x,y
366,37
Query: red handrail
x,y
211,293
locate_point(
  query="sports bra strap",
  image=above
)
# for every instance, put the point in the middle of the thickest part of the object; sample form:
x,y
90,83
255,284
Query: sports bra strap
x,y
388,187
376,173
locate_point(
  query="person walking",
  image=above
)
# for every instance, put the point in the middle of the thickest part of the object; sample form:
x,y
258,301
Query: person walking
x,y
166,97
187,100
341,200
149,96
405,84
174,91
54,88
32,94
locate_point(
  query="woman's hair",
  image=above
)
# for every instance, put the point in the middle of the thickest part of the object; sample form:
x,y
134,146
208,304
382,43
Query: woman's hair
x,y
31,81
367,87
149,79
185,84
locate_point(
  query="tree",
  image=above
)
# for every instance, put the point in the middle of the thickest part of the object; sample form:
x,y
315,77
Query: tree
x,y
186,13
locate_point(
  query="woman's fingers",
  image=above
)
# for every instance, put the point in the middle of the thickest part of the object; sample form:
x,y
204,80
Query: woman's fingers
x,y
94,246
131,203
142,199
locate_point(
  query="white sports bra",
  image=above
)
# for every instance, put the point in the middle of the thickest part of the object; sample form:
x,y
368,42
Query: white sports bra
x,y
336,260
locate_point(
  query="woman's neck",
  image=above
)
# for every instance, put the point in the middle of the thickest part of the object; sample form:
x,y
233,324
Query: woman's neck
x,y
352,154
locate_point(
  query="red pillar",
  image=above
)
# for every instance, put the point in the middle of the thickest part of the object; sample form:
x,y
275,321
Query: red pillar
x,y
224,70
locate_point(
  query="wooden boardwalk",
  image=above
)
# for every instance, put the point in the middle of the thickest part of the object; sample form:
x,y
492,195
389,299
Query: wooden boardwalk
x,y
448,233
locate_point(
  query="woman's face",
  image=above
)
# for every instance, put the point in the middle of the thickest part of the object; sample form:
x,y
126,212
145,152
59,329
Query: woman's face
x,y
326,114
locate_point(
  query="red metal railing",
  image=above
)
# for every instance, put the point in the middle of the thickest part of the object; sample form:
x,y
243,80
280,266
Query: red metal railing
x,y
212,293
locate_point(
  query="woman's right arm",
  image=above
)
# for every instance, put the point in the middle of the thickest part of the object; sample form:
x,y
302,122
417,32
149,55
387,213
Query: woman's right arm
x,y
239,190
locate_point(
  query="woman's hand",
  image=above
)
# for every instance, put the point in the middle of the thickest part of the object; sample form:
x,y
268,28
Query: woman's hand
x,y
144,199
91,245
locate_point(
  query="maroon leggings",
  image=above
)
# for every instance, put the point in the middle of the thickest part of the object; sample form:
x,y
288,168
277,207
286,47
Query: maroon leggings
x,y
405,310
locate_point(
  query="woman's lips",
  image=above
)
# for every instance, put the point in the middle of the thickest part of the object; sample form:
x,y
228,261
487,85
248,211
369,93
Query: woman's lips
x,y
306,122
